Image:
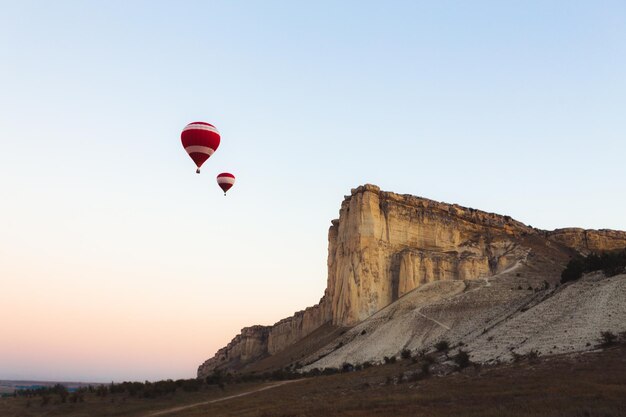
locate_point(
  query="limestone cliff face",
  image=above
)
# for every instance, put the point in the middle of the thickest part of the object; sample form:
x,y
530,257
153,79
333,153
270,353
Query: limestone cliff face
x,y
385,245
249,345
294,328
587,241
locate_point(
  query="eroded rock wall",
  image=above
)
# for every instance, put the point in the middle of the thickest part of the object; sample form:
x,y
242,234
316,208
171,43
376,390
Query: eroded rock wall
x,y
385,245
587,241
247,346
288,331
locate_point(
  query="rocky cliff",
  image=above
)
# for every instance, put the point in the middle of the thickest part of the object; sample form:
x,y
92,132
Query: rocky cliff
x,y
385,245
587,241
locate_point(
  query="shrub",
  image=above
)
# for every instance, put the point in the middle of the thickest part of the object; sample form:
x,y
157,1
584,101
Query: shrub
x,y
389,360
442,346
215,378
190,385
607,338
610,263
532,356
573,271
347,367
462,359
330,371
405,354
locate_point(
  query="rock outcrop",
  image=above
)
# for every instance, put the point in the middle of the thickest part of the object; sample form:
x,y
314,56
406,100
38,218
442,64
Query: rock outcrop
x,y
247,346
587,241
385,245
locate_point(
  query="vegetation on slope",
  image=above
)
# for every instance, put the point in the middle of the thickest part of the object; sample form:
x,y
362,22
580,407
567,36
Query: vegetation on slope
x,y
611,263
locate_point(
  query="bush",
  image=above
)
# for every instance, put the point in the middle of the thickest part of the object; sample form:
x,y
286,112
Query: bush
x,y
405,354
442,346
389,360
330,371
607,338
215,378
610,263
573,271
532,356
462,359
190,385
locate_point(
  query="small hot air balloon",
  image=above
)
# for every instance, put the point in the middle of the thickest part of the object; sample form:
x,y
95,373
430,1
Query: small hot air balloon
x,y
200,140
225,180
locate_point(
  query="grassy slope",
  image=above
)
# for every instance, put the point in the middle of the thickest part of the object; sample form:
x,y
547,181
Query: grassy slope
x,y
586,385
590,385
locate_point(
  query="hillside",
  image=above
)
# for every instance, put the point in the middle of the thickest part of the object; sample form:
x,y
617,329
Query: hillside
x,y
405,272
591,385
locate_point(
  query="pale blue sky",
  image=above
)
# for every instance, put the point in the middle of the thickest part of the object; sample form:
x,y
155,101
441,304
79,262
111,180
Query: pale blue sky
x,y
515,107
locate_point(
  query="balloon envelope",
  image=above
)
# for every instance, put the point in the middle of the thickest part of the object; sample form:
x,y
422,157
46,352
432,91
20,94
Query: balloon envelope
x,y
200,140
225,180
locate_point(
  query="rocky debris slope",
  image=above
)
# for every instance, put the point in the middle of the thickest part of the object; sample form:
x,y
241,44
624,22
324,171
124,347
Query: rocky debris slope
x,y
563,320
549,321
385,245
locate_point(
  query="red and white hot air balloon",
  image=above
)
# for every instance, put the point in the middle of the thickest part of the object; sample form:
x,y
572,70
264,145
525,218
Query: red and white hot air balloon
x,y
200,140
225,180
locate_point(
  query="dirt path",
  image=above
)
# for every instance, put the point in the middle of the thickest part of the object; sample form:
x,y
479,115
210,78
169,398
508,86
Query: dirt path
x,y
433,320
185,407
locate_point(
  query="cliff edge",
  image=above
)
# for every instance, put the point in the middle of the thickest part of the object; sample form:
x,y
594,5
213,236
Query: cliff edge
x,y
386,245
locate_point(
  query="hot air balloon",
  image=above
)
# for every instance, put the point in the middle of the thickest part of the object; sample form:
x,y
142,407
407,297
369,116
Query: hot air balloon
x,y
200,140
225,180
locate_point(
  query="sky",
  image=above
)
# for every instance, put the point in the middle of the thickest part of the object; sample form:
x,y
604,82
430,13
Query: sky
x,y
118,262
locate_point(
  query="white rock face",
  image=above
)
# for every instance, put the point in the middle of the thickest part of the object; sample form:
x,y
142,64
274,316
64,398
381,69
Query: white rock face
x,y
385,246
492,321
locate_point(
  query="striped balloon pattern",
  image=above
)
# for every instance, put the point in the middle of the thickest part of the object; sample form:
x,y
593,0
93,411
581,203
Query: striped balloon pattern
x,y
200,140
225,180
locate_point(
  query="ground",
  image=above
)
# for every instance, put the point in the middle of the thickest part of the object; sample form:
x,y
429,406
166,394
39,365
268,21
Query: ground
x,y
590,384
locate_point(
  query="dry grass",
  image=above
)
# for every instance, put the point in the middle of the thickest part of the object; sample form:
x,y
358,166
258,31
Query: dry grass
x,y
120,405
588,385
585,385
